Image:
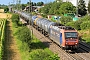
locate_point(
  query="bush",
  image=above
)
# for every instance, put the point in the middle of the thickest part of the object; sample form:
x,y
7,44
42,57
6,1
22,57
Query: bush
x,y
24,34
39,55
54,57
42,55
75,25
82,23
64,20
44,15
15,18
85,18
71,24
85,25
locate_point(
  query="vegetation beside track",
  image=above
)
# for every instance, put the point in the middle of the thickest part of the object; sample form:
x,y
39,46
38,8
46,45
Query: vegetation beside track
x,y
83,25
2,36
31,49
84,34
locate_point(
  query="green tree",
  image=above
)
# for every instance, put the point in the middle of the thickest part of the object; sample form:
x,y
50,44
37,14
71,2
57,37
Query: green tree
x,y
40,3
64,20
56,7
23,6
6,9
34,4
85,25
75,25
85,18
51,8
89,6
46,8
51,11
31,3
82,8
82,23
66,7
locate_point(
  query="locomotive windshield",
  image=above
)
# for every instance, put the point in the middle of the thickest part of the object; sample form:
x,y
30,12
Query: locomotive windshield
x,y
70,34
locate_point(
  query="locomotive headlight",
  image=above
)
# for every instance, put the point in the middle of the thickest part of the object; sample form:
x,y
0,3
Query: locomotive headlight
x,y
75,43
66,43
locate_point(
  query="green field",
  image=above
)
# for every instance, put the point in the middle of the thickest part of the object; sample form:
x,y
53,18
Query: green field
x,y
2,35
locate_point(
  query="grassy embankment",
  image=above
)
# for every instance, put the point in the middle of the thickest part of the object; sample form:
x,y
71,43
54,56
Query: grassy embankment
x,y
36,50
85,35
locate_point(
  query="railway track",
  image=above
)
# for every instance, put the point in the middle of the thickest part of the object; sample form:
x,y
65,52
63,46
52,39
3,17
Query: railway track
x,y
80,54
85,47
55,48
84,51
52,46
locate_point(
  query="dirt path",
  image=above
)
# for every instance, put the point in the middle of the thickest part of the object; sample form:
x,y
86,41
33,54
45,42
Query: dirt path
x,y
11,51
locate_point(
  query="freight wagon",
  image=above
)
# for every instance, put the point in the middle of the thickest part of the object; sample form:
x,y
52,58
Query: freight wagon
x,y
65,36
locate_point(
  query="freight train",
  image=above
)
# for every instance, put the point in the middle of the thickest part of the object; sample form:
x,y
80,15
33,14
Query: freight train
x,y
65,36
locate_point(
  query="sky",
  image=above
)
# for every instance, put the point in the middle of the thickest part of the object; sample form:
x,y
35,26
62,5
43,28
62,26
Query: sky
x,y
6,2
74,2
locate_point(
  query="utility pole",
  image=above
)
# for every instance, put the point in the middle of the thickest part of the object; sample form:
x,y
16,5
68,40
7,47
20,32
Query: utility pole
x,y
9,4
30,19
77,8
29,5
19,4
13,4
